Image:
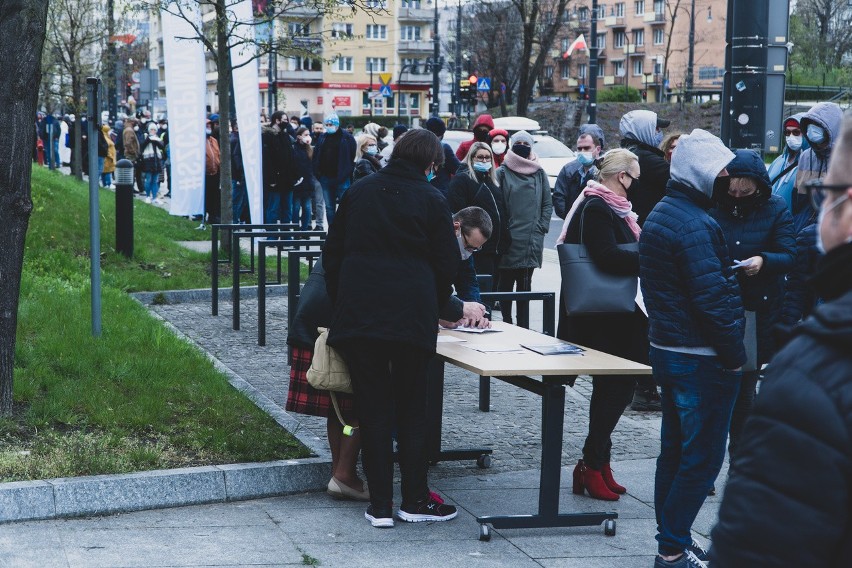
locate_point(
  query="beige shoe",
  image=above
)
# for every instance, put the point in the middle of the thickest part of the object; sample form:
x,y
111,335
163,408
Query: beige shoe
x,y
340,490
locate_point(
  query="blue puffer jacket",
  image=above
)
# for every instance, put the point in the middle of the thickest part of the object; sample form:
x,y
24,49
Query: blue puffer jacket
x,y
693,299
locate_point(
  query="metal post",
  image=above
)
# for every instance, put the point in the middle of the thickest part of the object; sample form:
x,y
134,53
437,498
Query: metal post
x,y
458,107
124,207
92,84
372,106
436,67
593,66
690,68
112,93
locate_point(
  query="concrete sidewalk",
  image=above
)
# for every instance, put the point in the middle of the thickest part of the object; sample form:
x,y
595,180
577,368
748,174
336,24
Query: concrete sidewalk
x,y
313,529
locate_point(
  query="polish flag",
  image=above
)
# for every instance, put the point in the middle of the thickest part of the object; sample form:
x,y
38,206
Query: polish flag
x,y
579,43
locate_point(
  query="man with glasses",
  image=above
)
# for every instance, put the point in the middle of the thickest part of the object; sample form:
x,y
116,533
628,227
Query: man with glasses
x,y
788,501
473,228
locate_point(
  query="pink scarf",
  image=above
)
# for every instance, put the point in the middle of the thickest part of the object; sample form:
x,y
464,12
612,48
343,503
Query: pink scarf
x,y
619,205
522,165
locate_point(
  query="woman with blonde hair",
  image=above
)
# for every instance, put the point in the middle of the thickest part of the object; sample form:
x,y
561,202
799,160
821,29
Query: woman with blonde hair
x,y
366,157
602,218
669,144
475,183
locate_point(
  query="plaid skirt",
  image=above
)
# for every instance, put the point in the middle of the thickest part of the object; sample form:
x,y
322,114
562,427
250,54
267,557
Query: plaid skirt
x,y
305,399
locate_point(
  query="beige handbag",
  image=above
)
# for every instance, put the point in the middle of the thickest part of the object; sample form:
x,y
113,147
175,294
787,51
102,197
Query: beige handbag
x,y
328,371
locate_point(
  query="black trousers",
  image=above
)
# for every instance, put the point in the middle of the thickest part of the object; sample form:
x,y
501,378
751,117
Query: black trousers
x,y
212,199
610,396
515,279
742,408
389,380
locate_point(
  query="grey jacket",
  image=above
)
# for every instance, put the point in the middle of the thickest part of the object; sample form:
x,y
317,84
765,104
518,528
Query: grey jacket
x,y
529,206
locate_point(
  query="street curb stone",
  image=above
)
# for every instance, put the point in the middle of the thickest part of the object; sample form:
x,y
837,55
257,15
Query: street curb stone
x,y
204,294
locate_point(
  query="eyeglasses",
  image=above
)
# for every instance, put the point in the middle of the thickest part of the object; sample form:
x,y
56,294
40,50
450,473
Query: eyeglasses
x,y
817,191
631,177
486,159
467,247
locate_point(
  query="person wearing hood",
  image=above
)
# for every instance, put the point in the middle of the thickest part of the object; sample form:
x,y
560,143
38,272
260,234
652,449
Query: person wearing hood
x,y
451,164
787,501
526,190
574,175
641,133
334,160
696,326
499,140
108,166
784,169
759,231
483,124
366,157
601,217
153,157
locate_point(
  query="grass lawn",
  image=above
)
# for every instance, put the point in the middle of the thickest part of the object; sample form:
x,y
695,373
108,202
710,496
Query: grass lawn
x,y
138,398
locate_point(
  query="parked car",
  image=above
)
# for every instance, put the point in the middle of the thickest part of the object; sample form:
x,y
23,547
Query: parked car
x,y
552,153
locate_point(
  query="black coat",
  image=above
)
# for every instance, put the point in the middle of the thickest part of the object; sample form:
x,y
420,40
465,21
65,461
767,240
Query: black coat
x,y
652,180
365,166
623,335
390,259
278,161
313,311
466,192
788,501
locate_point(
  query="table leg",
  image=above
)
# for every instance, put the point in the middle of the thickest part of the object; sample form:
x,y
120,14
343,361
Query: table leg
x,y
484,394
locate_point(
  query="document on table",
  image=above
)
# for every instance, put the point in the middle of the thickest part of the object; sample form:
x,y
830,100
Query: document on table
x,y
495,348
473,329
450,339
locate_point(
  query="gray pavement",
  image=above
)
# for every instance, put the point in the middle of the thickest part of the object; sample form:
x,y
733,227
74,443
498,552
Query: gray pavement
x,y
312,529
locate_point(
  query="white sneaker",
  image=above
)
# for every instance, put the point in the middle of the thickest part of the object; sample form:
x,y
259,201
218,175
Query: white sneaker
x,y
148,199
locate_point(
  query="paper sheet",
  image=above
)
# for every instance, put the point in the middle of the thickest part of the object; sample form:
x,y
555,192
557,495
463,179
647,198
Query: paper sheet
x,y
450,339
495,348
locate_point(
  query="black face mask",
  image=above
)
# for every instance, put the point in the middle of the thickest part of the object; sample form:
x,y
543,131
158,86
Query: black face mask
x,y
521,150
480,135
740,206
720,189
633,187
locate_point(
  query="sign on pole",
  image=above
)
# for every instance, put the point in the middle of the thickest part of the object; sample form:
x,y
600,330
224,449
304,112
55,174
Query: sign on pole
x,y
385,78
484,84
385,91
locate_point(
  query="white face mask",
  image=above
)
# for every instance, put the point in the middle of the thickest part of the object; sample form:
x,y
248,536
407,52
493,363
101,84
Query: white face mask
x,y
305,139
499,147
208,132
794,143
823,211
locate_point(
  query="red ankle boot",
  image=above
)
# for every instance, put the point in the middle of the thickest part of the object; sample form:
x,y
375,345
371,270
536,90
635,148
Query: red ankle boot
x,y
591,480
606,473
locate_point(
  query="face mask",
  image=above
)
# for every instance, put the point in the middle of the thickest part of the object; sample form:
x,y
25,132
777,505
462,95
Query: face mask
x,y
481,166
135,129
164,127
521,150
794,143
633,187
498,147
740,206
585,158
480,135
720,189
816,134
330,129
431,175
372,150
465,254
658,138
208,132
305,139
823,211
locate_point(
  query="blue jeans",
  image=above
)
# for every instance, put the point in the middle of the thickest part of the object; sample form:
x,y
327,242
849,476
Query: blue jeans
x,y
152,184
698,396
106,179
54,160
239,199
100,166
271,206
302,205
332,192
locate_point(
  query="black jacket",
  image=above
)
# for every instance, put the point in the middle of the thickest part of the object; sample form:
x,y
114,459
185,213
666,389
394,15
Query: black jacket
x,y
365,166
313,311
390,259
466,192
788,501
653,177
278,162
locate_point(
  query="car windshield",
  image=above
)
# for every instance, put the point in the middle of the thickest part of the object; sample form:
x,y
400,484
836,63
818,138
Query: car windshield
x,y
551,148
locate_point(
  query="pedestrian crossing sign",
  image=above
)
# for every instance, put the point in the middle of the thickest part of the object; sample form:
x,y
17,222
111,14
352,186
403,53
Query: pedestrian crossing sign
x,y
385,91
484,84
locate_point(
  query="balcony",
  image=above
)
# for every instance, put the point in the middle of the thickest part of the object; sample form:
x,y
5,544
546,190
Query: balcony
x,y
615,22
297,8
415,46
415,15
306,42
419,76
634,50
655,18
301,76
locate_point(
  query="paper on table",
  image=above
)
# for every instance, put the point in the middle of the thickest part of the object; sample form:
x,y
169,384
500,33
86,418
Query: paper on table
x,y
473,329
450,339
495,348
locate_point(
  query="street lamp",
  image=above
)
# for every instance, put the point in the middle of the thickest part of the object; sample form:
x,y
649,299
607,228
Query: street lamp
x,y
593,66
690,68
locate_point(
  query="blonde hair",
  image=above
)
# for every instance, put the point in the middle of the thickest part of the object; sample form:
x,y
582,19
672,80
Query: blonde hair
x,y
614,162
667,142
468,160
364,140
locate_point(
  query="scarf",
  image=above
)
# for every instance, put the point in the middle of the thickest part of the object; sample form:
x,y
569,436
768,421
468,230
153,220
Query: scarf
x,y
521,165
619,205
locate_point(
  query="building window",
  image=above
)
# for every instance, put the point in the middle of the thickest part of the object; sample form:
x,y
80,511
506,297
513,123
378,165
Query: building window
x,y
341,30
581,70
377,31
564,71
659,36
601,11
411,4
619,39
602,41
377,4
658,66
638,67
411,33
618,68
618,10
379,64
640,7
412,64
343,65
303,64
296,29
659,7
710,73
638,37
583,14
548,72
565,43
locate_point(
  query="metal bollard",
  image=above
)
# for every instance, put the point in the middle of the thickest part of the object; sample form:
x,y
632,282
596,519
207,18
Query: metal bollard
x,y
124,207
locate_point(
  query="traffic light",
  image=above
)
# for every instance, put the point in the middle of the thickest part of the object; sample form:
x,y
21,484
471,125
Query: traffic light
x,y
471,88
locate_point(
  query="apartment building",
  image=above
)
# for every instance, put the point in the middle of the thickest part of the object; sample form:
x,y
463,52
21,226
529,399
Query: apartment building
x,y
354,54
633,38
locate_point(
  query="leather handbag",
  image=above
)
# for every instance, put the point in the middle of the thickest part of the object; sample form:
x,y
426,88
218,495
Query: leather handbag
x,y
588,290
328,371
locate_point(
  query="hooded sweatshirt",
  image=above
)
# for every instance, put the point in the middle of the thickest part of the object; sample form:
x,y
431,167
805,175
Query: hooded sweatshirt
x,y
639,135
813,164
784,185
464,147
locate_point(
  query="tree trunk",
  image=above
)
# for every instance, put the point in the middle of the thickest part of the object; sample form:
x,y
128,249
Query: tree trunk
x,y
223,84
524,86
22,30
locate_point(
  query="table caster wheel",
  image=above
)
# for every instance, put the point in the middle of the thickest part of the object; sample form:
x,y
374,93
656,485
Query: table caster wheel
x,y
484,533
483,461
609,527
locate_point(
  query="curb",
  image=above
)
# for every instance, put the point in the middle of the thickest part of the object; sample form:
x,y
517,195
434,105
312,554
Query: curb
x,y
159,489
203,294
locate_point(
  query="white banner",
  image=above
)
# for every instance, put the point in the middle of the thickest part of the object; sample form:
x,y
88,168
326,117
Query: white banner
x,y
185,95
247,103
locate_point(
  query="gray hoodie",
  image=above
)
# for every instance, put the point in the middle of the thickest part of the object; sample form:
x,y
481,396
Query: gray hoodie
x,y
699,158
812,165
640,125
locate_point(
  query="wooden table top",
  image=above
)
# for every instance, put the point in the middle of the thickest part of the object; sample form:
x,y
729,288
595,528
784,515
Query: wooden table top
x,y
525,362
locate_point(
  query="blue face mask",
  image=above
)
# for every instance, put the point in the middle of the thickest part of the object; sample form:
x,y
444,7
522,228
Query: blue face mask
x,y
330,129
816,134
372,150
481,166
585,158
658,138
431,175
